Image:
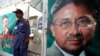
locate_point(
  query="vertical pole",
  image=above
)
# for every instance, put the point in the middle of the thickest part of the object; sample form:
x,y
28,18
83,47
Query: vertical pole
x,y
44,27
27,15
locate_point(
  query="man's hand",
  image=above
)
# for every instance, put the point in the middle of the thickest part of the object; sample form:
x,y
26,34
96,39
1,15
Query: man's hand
x,y
27,40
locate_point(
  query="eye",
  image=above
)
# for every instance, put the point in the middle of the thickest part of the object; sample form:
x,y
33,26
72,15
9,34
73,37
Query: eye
x,y
65,24
84,21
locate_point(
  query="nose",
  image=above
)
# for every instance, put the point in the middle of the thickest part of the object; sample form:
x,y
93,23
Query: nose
x,y
74,30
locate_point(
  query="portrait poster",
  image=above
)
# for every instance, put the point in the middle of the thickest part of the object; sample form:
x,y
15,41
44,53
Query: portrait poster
x,y
93,48
6,41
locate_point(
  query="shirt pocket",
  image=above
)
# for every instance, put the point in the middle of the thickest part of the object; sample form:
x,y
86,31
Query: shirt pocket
x,y
20,26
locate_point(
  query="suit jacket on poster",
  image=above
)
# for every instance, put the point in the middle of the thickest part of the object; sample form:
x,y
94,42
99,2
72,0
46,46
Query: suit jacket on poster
x,y
54,51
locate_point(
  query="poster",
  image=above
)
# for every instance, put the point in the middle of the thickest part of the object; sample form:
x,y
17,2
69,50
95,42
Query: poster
x,y
7,23
93,49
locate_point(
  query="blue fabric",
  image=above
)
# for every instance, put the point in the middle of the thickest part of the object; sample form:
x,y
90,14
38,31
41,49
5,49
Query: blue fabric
x,y
22,31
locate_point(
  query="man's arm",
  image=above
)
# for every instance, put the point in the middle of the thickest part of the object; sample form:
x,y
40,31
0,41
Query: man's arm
x,y
27,31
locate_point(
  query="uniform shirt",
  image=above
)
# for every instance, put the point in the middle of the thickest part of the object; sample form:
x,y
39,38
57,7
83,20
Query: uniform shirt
x,y
22,31
22,26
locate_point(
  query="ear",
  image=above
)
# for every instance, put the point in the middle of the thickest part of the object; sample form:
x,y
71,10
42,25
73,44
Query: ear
x,y
94,27
52,30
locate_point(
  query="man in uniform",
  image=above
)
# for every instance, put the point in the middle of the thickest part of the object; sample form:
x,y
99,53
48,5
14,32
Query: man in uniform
x,y
22,31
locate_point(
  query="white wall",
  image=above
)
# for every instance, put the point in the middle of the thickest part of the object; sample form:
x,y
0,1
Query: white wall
x,y
24,7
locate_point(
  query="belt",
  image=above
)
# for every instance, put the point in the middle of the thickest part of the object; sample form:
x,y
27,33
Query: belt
x,y
20,32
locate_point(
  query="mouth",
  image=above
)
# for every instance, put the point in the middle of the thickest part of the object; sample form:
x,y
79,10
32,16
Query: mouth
x,y
74,38
74,42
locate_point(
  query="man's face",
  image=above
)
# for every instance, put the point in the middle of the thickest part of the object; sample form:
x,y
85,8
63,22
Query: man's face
x,y
19,16
73,27
5,23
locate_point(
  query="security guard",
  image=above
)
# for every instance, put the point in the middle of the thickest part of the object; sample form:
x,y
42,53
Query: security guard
x,y
22,31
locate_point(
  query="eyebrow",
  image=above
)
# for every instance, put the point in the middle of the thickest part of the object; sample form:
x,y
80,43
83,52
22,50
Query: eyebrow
x,y
83,17
65,19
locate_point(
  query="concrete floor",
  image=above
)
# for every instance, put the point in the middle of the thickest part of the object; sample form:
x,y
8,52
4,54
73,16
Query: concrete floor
x,y
35,47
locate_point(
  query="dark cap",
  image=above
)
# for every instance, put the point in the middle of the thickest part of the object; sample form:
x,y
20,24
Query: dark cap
x,y
18,11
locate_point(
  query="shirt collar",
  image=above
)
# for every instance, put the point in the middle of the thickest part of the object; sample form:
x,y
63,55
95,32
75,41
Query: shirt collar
x,y
67,54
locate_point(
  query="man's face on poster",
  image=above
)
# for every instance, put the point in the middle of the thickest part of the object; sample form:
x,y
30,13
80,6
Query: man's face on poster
x,y
73,27
5,22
